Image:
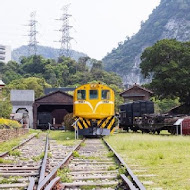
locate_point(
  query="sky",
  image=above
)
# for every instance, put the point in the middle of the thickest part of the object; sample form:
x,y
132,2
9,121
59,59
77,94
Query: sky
x,y
98,25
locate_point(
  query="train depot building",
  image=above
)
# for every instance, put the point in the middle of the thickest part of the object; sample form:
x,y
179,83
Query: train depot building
x,y
135,93
50,110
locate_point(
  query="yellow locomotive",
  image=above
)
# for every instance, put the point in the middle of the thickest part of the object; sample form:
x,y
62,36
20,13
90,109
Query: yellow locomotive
x,y
93,108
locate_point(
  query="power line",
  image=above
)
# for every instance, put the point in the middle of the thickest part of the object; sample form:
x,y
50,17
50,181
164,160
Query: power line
x,y
65,49
32,46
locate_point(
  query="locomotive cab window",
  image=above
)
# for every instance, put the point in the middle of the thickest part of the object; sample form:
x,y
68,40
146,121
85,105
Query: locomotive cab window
x,y
81,94
93,94
105,94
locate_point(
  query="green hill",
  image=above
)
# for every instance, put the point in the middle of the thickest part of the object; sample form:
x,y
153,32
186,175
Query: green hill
x,y
46,52
171,19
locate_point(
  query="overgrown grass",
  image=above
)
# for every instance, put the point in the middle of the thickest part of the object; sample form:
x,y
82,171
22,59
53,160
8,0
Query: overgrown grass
x,y
8,145
37,158
9,180
15,153
168,157
62,137
4,161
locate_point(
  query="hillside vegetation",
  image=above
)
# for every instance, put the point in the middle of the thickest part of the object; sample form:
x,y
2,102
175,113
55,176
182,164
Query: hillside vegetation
x,y
171,19
45,51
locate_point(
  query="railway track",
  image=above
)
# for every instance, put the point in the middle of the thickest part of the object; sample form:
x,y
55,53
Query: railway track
x,y
22,165
92,164
57,153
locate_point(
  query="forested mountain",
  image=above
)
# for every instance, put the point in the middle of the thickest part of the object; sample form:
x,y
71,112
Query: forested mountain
x,y
46,52
171,19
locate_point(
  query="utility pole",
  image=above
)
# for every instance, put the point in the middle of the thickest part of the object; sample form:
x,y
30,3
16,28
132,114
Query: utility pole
x,y
32,46
65,49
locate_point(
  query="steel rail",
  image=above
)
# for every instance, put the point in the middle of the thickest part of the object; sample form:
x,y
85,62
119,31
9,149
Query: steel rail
x,y
128,182
52,183
53,173
44,161
31,184
134,178
18,146
43,167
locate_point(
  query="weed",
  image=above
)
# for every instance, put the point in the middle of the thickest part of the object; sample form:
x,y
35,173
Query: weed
x,y
37,158
49,155
24,159
37,135
16,153
110,154
62,137
9,180
82,144
122,170
112,168
76,154
4,161
63,174
8,145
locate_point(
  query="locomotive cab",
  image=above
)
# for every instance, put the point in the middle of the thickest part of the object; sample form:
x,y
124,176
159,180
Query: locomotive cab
x,y
94,109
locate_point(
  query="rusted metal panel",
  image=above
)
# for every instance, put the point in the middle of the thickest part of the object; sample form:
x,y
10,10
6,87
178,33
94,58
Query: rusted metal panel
x,y
186,126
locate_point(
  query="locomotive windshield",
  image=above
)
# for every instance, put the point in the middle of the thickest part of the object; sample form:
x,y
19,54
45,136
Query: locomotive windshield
x,y
105,94
81,94
93,94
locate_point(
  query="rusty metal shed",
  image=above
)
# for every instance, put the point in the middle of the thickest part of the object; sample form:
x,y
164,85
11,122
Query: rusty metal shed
x,y
52,109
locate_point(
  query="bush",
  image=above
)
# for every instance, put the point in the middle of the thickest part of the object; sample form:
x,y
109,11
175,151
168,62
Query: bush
x,y
9,124
69,120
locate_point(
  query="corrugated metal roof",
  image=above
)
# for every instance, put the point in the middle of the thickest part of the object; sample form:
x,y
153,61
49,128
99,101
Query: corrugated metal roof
x,y
63,89
138,86
133,95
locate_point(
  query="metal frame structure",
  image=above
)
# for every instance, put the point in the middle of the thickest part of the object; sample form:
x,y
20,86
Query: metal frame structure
x,y
65,49
32,46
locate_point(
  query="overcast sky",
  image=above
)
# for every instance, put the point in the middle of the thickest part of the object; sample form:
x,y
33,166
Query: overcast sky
x,y
98,24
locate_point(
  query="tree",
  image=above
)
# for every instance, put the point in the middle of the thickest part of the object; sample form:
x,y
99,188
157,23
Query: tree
x,y
82,62
5,106
168,62
31,83
33,64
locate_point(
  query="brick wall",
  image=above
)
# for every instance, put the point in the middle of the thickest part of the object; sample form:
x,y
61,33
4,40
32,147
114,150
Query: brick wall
x,y
8,134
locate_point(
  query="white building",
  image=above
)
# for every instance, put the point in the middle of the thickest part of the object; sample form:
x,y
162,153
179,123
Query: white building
x,y
22,102
5,53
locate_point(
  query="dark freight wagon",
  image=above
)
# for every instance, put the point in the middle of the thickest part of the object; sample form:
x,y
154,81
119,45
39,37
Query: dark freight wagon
x,y
129,112
140,115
